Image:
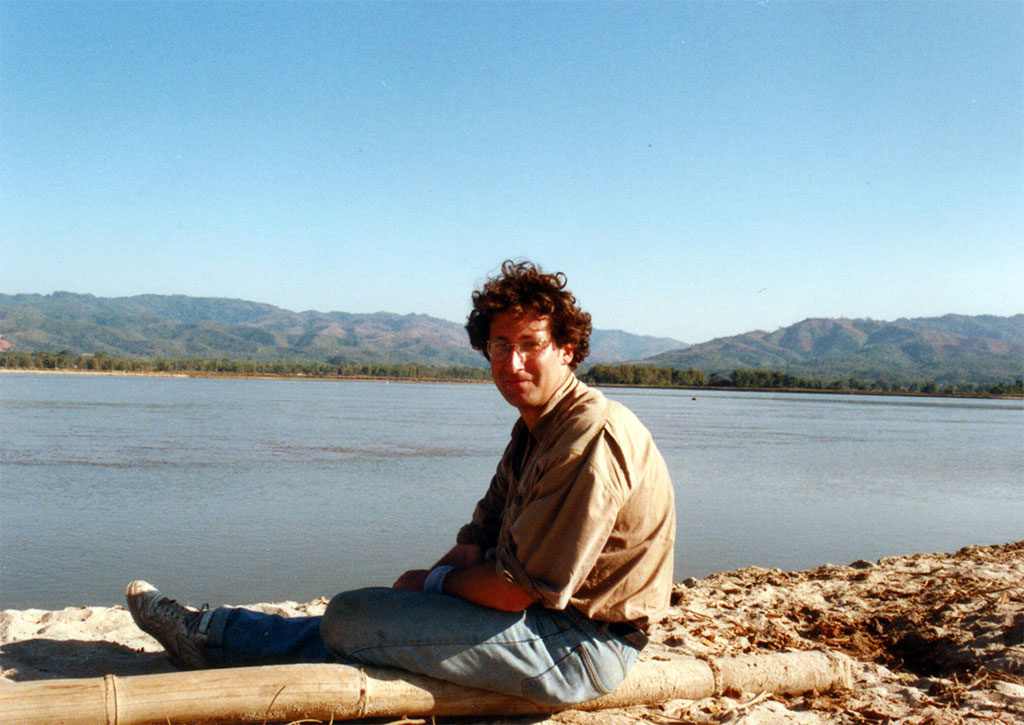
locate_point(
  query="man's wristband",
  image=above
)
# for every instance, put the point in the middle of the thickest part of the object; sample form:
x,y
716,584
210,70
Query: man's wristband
x,y
435,579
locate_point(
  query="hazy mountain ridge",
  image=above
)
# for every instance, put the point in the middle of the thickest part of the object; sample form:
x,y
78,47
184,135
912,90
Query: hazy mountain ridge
x,y
951,348
179,326
619,346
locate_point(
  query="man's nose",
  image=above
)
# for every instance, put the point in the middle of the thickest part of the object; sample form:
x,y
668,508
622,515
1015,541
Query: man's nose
x,y
515,359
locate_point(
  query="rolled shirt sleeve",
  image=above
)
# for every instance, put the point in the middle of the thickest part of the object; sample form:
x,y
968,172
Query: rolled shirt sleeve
x,y
562,527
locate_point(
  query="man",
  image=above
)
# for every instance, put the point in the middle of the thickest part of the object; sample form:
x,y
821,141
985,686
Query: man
x,y
549,590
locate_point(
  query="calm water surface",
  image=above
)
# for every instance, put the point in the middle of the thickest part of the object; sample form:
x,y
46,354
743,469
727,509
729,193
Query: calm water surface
x,y
254,490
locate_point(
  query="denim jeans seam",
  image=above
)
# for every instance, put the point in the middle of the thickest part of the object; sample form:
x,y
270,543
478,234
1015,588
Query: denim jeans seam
x,y
588,663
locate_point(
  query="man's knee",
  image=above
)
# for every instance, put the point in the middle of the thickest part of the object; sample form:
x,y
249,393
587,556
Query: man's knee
x,y
350,619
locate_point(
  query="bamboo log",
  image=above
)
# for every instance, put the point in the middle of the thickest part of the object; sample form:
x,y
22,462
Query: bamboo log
x,y
342,692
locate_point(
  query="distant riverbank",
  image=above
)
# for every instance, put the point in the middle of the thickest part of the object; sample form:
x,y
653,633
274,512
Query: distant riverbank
x,y
410,379
241,376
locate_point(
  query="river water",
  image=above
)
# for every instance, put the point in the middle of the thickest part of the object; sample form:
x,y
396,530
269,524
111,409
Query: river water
x,y
237,490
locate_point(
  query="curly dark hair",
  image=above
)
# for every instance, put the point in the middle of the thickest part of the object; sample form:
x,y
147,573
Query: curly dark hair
x,y
523,287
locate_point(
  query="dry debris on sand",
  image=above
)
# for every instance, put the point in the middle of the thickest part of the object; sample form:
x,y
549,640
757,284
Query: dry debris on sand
x,y
935,638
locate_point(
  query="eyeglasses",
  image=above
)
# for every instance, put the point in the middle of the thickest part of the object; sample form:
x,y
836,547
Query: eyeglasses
x,y
500,351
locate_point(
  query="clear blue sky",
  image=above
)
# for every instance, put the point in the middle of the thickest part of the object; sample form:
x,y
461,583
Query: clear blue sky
x,y
696,169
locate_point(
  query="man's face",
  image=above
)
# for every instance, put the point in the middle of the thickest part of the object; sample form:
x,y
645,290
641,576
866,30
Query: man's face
x,y
527,380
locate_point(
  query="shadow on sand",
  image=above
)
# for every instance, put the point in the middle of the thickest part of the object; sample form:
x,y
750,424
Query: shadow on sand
x,y
77,658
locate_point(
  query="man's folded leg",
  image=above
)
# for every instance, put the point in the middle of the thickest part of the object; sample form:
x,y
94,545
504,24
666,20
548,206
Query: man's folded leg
x,y
549,656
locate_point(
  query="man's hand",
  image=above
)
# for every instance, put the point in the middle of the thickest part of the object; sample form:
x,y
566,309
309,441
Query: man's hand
x,y
472,580
411,580
461,555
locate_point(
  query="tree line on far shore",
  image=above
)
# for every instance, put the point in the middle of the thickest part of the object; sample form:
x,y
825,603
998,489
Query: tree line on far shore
x,y
104,363
649,376
598,374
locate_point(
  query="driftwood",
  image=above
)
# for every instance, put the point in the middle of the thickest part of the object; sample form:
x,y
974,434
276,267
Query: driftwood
x,y
341,692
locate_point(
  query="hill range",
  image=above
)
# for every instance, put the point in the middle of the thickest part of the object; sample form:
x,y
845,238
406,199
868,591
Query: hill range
x,y
155,326
950,349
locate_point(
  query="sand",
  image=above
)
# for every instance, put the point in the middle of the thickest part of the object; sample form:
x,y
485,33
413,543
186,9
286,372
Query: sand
x,y
935,638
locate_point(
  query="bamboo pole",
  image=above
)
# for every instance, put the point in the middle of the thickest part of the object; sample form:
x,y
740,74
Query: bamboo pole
x,y
328,693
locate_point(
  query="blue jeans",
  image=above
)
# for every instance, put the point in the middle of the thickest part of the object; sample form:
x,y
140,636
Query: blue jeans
x,y
548,656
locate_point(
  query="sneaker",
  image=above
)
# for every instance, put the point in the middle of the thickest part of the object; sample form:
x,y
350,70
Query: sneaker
x,y
176,627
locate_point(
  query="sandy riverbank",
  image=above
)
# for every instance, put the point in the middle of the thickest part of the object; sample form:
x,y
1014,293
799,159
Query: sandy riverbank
x,y
936,638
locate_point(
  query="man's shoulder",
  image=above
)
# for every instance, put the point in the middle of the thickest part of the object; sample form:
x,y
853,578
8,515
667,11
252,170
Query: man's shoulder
x,y
582,405
591,404
584,413
614,420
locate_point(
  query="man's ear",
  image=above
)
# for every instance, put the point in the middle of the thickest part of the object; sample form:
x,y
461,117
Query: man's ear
x,y
568,353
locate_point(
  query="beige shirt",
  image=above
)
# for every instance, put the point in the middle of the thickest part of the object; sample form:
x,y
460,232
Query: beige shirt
x,y
581,512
